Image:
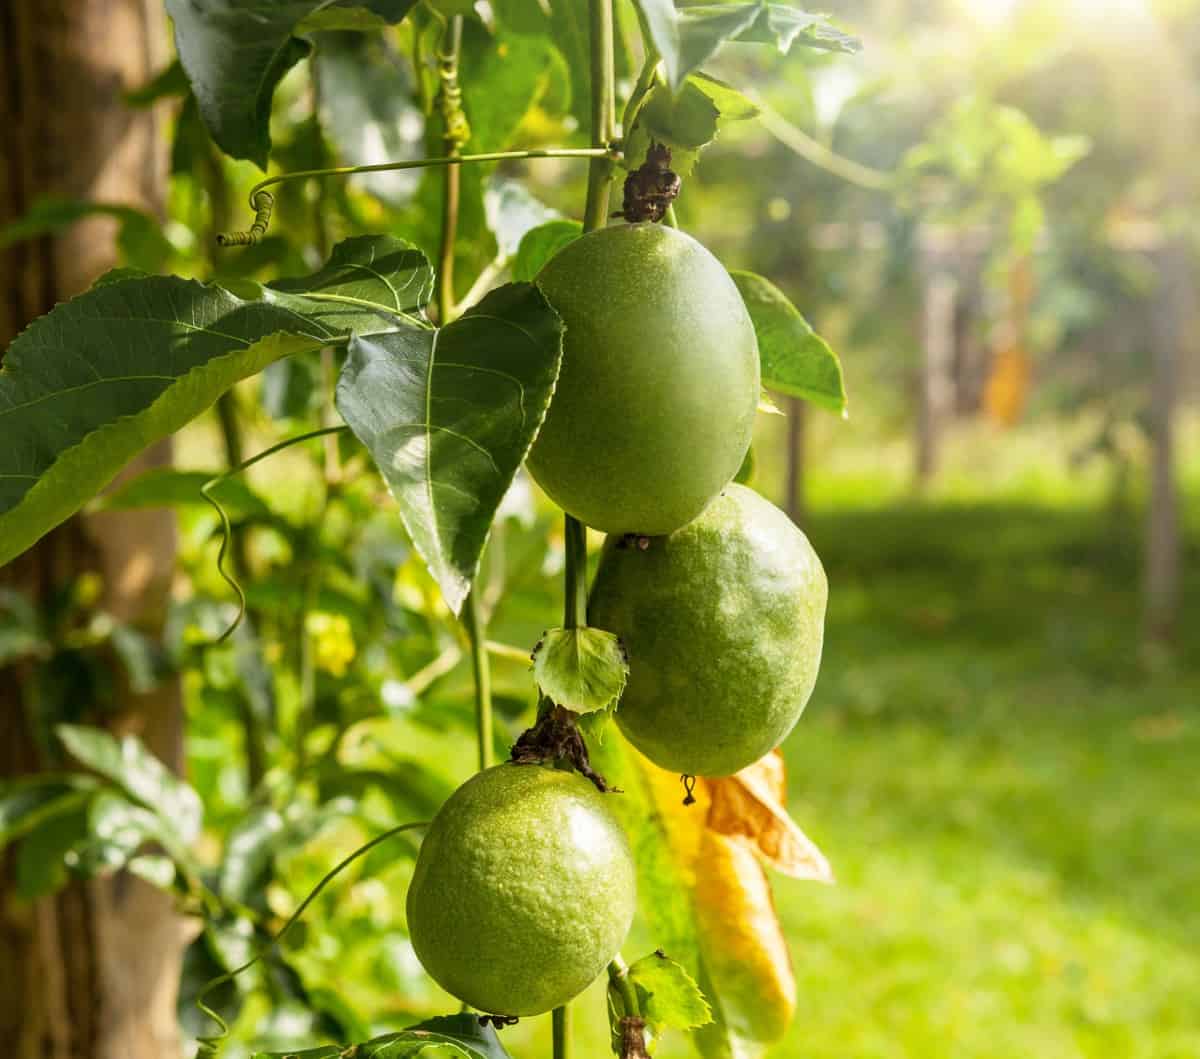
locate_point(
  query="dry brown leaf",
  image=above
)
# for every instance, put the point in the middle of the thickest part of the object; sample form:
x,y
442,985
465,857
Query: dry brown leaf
x,y
749,806
745,953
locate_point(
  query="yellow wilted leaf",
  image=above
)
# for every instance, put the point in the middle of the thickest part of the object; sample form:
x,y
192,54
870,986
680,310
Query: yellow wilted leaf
x,y
746,968
1007,386
749,806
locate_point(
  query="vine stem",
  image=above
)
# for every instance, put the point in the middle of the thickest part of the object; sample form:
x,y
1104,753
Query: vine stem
x,y
452,45
227,530
472,614
209,1044
606,152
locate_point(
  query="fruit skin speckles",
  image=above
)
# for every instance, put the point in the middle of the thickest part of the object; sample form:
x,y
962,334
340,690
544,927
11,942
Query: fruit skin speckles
x,y
655,402
523,891
724,623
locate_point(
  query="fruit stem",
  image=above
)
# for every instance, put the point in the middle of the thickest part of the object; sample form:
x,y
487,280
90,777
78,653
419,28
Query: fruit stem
x,y
618,975
575,599
561,1026
477,632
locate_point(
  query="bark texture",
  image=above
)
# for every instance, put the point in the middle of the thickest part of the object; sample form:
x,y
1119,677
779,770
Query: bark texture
x,y
92,972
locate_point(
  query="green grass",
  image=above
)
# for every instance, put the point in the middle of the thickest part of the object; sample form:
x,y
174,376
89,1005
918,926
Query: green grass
x,y
1007,791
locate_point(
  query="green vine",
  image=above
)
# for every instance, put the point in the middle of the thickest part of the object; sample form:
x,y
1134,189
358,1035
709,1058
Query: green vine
x,y
209,1045
262,202
227,529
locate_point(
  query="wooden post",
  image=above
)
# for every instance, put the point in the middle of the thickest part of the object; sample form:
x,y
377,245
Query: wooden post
x,y
935,384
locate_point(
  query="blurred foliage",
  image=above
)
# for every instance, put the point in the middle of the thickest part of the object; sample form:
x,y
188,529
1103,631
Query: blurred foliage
x,y
993,772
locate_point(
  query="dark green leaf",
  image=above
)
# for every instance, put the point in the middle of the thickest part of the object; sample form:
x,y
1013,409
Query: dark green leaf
x,y
167,487
582,669
21,632
143,658
689,37
42,859
139,235
236,54
448,1035
464,1029
139,773
795,359
88,386
669,996
540,244
26,803
171,81
449,415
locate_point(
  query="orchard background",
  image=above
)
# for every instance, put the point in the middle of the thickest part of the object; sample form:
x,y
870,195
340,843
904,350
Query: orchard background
x,y
987,211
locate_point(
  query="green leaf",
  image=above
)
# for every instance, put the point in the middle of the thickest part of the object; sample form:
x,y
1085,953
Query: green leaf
x,y
167,487
21,633
690,36
540,244
139,774
139,235
795,359
448,416
582,669
512,212
367,111
448,1035
669,996
785,26
249,853
169,82
101,377
47,854
26,803
745,473
155,869
686,120
236,54
117,829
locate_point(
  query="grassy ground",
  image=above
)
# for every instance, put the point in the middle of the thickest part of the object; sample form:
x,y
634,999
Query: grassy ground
x,y
1007,791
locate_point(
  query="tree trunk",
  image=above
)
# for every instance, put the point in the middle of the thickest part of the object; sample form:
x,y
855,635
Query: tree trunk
x,y
1163,547
92,972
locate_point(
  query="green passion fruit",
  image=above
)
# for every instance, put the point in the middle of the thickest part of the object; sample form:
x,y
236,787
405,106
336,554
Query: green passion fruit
x,y
723,621
523,890
655,402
